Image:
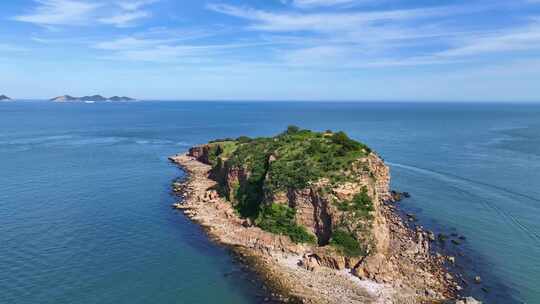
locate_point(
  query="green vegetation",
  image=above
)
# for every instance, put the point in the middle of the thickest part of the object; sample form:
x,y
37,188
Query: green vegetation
x,y
279,219
300,157
243,139
353,238
347,243
220,150
361,205
290,160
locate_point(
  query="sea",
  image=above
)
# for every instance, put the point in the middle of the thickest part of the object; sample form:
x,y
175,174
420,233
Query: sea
x,y
85,194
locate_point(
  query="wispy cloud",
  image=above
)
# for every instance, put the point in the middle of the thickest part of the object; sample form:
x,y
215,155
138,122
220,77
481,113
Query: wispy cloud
x,y
357,38
125,19
141,51
162,45
85,12
60,12
525,38
135,5
129,43
306,35
130,11
323,22
325,3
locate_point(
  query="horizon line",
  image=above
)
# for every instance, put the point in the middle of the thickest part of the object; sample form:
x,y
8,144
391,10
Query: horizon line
x,y
249,100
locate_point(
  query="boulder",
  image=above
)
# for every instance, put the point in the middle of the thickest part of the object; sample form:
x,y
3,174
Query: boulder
x,y
468,300
247,223
310,263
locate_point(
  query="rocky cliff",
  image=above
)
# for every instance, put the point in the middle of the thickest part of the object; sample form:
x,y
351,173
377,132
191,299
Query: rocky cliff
x,y
331,196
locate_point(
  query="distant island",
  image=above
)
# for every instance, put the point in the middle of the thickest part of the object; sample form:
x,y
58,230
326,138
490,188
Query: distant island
x,y
91,99
313,213
5,98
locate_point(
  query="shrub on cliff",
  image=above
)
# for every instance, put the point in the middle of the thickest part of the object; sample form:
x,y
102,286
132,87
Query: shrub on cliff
x,y
243,139
340,138
221,149
279,219
361,205
292,129
347,243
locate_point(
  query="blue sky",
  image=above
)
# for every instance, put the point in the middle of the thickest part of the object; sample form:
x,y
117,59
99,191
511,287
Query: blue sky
x,y
451,50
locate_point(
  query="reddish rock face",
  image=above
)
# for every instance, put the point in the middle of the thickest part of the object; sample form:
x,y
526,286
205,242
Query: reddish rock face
x,y
313,211
201,153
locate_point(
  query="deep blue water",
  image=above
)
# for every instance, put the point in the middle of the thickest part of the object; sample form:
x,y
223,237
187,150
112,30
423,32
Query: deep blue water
x,y
84,193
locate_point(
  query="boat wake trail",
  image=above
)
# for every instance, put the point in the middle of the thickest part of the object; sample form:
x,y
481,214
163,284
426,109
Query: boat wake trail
x,y
464,179
460,184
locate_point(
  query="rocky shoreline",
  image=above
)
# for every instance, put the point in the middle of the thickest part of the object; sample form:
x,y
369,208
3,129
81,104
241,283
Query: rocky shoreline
x,y
300,273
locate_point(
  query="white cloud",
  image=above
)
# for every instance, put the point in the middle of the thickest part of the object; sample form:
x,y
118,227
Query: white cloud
x,y
321,3
323,22
125,19
522,39
85,12
127,43
164,53
163,50
322,38
130,12
135,5
60,12
356,39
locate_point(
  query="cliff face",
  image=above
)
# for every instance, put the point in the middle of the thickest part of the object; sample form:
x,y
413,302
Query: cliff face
x,y
201,153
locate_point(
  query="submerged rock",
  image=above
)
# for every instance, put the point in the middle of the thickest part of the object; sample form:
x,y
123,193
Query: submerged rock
x,y
468,300
456,242
442,237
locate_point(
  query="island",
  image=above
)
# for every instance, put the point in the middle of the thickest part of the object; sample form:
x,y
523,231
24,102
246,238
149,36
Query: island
x,y
5,98
313,214
91,99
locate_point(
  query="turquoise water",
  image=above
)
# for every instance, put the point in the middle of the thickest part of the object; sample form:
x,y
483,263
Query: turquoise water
x,y
84,193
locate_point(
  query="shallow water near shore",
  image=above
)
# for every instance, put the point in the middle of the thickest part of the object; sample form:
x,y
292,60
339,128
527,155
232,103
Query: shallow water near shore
x,y
85,197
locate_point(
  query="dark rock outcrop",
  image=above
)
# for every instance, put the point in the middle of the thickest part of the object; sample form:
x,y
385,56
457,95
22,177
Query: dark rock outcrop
x,y
4,98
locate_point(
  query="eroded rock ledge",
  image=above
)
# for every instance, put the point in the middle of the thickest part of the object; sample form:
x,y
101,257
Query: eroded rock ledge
x,y
394,266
